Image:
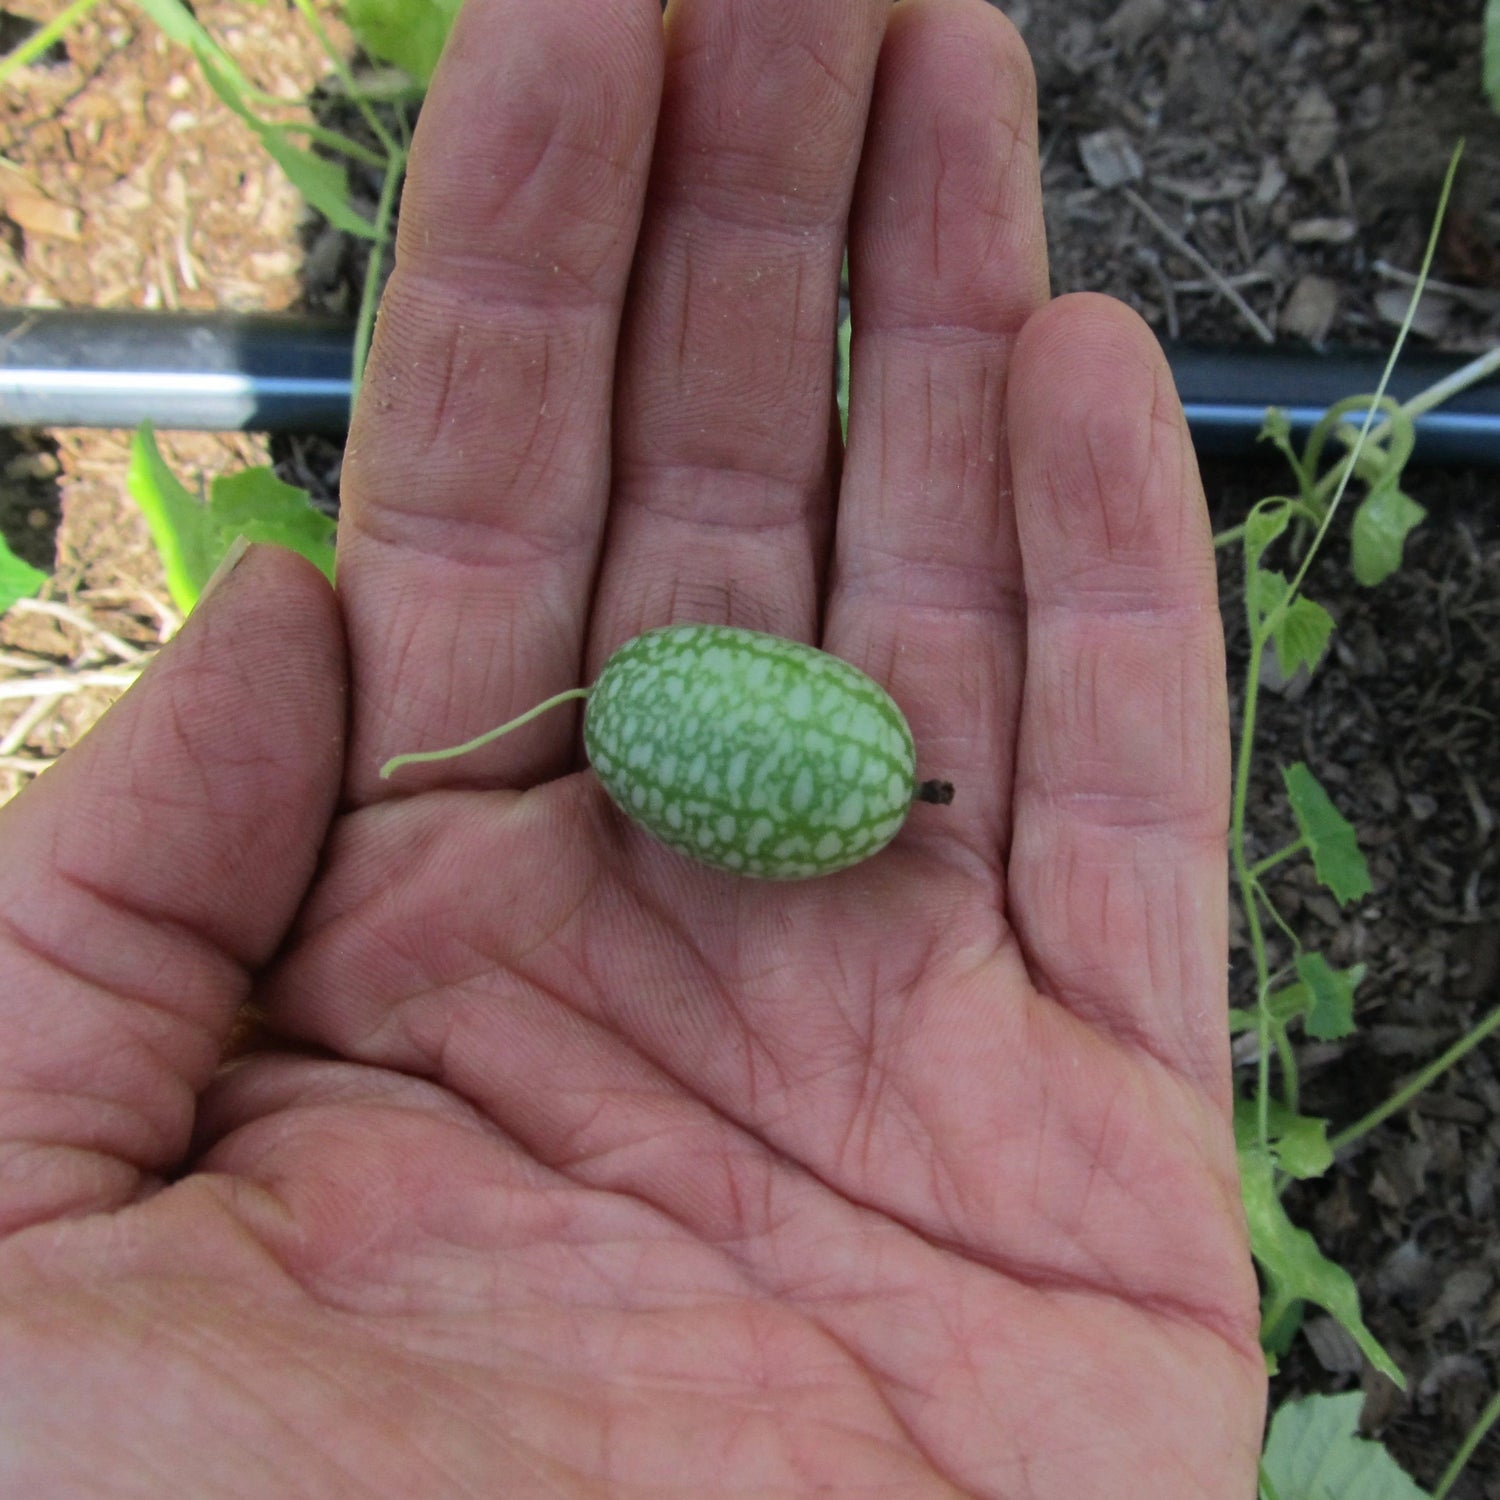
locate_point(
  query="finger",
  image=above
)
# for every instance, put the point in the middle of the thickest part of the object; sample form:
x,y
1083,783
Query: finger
x,y
947,258
1118,885
478,466
147,874
723,480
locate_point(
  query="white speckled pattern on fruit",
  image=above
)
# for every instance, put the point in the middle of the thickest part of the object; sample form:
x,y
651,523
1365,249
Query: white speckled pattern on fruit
x,y
749,752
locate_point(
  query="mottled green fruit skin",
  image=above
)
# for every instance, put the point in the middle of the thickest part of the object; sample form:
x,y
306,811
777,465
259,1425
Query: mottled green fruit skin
x,y
749,752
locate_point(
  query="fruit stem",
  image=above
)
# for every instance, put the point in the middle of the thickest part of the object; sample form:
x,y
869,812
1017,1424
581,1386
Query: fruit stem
x,y
940,792
412,757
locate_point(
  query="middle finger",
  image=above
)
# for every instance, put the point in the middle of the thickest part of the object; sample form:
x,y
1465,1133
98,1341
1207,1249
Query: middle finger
x,y
723,480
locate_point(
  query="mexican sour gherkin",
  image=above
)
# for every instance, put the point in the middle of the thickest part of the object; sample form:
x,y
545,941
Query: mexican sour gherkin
x,y
743,750
750,752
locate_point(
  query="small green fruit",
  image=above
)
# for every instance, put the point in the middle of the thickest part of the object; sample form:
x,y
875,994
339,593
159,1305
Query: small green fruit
x,y
745,751
750,752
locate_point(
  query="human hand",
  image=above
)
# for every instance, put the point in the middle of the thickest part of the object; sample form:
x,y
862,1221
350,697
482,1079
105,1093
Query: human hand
x,y
580,1169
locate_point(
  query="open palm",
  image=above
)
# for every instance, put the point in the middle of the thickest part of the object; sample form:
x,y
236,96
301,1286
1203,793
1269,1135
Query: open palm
x,y
570,1167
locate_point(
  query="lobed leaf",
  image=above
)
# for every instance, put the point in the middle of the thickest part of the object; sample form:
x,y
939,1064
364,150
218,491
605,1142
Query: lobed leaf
x,y
179,525
408,33
257,505
1336,855
1314,1452
1298,1143
1330,1011
1294,1267
191,537
1301,636
1378,534
1266,521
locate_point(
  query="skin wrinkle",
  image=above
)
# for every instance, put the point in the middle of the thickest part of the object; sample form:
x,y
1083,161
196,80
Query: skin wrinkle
x,y
642,483
531,293
758,83
451,540
441,415
1009,1269
417,1384
52,959
1195,1315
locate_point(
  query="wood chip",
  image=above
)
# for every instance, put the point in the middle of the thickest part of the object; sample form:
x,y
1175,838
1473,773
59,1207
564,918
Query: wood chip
x,y
37,214
1434,312
1310,310
1110,158
1323,231
1312,131
1134,21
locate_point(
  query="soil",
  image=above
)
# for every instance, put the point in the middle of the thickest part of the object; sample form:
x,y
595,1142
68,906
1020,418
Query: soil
x,y
1234,170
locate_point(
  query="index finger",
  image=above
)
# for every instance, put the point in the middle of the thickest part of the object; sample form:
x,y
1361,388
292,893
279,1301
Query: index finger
x,y
477,470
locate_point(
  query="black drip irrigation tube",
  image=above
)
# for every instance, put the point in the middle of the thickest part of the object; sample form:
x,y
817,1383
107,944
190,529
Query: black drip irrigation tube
x,y
282,373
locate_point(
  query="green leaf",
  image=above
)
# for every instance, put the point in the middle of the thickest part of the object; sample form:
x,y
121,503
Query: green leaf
x,y
181,26
1299,1143
1492,52
1294,1268
18,579
1302,1149
1335,851
180,526
1266,521
192,538
257,505
409,33
1268,590
1346,419
1242,1020
324,184
1314,1452
1379,533
1301,637
1324,998
1330,1013
1276,429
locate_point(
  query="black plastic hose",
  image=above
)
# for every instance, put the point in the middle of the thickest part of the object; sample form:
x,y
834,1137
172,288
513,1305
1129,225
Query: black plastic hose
x,y
280,373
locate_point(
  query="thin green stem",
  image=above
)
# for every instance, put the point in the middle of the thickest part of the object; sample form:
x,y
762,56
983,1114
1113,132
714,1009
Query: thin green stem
x,y
1477,369
1244,878
40,40
1277,918
1450,385
335,141
347,78
1425,1079
415,757
1272,860
1295,507
1345,468
369,295
1476,1436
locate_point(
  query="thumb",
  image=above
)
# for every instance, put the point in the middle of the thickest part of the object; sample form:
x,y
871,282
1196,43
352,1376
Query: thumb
x,y
147,875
